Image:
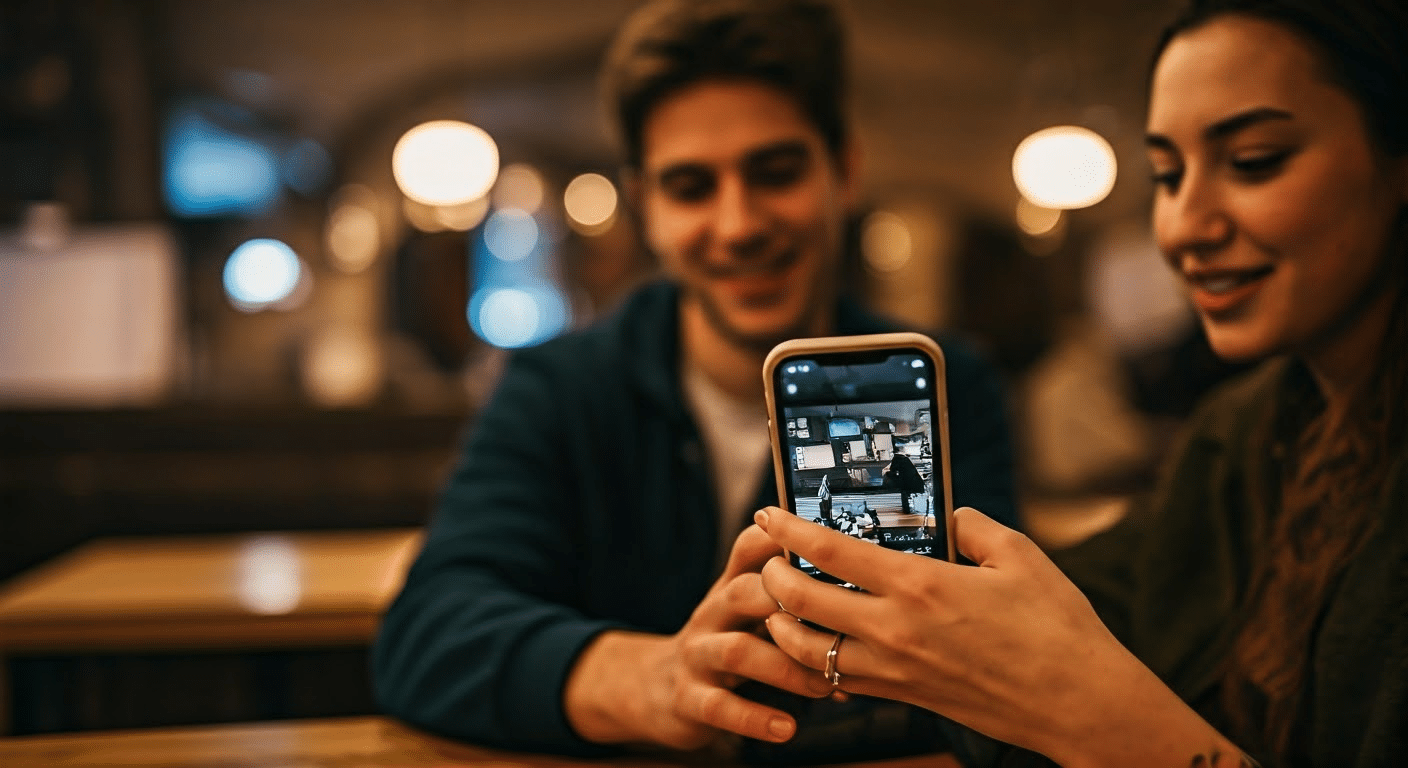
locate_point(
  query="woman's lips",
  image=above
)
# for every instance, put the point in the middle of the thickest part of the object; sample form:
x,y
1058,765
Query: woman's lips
x,y
1221,290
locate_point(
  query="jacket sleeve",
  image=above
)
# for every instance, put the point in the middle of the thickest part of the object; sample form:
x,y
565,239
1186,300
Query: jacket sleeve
x,y
479,643
980,437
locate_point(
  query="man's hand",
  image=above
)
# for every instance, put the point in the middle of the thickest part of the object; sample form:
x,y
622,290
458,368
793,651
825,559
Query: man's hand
x,y
676,691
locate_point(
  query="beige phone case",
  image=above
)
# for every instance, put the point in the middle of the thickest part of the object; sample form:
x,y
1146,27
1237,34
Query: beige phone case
x,y
881,341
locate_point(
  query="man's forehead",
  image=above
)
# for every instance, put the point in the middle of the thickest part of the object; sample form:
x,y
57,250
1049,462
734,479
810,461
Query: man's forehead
x,y
719,123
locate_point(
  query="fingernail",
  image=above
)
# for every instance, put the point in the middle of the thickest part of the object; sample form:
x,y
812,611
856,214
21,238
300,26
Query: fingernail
x,y
781,728
761,518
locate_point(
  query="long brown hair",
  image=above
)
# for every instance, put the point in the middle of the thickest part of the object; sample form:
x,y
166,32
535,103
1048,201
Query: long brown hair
x,y
1331,473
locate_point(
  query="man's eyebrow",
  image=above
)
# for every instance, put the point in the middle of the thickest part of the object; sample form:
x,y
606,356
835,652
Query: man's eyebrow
x,y
1224,127
769,151
682,168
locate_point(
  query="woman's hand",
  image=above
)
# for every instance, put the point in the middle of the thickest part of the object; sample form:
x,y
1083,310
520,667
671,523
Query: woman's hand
x,y
1010,648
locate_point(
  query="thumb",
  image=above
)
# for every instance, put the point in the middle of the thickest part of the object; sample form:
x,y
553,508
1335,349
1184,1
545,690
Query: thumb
x,y
982,539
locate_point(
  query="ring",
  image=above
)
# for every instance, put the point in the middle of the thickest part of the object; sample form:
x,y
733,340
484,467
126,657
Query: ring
x,y
831,672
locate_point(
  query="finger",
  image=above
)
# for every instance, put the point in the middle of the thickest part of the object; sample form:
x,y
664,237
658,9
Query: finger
x,y
750,550
845,557
727,711
810,648
738,603
744,655
984,540
829,605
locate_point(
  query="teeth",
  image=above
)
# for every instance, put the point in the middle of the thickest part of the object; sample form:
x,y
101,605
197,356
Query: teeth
x,y
1221,285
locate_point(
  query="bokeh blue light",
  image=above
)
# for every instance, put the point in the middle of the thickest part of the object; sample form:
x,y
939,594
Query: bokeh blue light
x,y
211,170
261,272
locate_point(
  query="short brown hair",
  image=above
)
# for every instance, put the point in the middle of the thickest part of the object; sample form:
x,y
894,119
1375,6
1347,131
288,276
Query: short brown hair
x,y
795,46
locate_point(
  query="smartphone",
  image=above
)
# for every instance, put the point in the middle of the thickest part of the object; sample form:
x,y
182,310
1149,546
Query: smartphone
x,y
859,428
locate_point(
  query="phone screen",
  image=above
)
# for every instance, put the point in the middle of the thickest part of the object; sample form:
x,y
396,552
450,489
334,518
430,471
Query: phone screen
x,y
862,446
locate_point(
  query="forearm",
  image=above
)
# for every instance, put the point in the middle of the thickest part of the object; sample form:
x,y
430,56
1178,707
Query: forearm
x,y
606,698
1141,722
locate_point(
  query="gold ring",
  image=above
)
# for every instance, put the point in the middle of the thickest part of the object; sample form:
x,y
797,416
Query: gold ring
x,y
831,673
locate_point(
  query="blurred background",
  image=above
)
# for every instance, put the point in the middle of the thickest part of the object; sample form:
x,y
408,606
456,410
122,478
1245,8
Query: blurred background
x,y
240,291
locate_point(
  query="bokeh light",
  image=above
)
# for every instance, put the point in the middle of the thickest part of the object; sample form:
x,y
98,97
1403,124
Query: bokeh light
x,y
341,368
510,235
270,575
462,217
1064,167
590,201
307,167
886,242
210,170
261,272
519,186
445,162
353,232
509,318
518,315
1036,220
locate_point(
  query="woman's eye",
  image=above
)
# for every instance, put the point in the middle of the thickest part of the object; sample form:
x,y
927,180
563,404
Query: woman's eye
x,y
1259,164
1167,179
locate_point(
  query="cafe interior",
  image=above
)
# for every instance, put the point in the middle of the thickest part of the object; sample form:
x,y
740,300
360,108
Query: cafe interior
x,y
261,264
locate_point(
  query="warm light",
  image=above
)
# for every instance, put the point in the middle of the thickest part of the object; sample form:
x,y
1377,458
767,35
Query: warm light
x,y
886,242
590,202
511,235
341,368
1064,167
445,162
509,318
270,575
353,236
519,186
462,217
1036,220
261,272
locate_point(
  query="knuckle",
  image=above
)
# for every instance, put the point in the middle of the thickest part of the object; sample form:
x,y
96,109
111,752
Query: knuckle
x,y
733,652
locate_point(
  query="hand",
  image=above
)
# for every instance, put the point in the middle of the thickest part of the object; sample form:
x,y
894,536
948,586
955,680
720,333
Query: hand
x,y
676,690
1010,648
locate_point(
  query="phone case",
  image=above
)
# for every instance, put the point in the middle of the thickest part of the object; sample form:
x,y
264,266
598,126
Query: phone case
x,y
825,345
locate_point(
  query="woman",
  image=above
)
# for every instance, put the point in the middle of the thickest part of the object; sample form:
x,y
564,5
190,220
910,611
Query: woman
x,y
1258,606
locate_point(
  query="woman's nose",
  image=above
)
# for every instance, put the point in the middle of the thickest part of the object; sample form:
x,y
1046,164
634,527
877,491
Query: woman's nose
x,y
1191,219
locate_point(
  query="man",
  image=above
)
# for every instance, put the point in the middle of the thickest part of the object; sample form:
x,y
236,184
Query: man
x,y
563,601
901,474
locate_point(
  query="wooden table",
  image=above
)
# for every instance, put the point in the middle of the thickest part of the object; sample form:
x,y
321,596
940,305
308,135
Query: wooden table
x,y
209,592
364,742
230,592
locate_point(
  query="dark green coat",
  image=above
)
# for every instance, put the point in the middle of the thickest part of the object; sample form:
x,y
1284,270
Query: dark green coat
x,y
1170,581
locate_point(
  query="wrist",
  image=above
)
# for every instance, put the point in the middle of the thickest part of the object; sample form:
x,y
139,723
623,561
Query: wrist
x,y
1137,720
605,697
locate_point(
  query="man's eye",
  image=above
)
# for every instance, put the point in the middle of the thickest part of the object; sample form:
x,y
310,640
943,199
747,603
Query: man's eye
x,y
779,173
778,169
688,187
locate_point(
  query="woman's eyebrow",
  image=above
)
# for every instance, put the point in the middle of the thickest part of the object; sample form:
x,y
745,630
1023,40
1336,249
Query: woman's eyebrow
x,y
1225,127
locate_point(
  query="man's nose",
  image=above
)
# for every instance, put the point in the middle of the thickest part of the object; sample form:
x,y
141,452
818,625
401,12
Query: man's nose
x,y
740,223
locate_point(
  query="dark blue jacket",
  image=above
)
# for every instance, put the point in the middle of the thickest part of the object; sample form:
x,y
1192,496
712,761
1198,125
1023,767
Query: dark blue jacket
x,y
582,502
